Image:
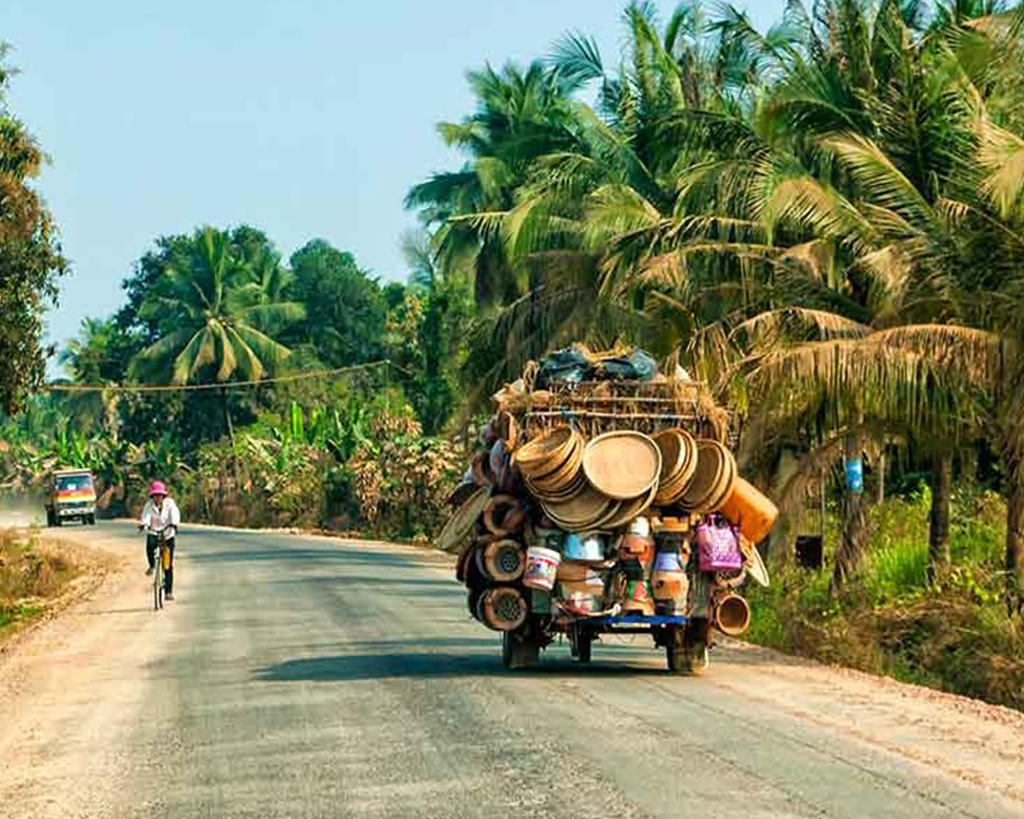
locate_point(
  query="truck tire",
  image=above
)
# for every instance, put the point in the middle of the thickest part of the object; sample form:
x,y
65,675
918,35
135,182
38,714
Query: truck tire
x,y
580,643
91,520
50,518
681,655
519,652
680,661
584,645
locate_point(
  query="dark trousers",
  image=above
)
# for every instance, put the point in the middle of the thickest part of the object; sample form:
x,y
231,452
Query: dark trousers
x,y
152,547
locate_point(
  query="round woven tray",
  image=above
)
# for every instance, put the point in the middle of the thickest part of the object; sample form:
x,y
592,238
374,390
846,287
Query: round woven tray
x,y
623,464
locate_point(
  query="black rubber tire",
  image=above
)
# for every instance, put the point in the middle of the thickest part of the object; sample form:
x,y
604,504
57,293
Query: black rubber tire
x,y
56,520
584,647
158,585
49,517
519,653
91,520
679,653
472,598
680,661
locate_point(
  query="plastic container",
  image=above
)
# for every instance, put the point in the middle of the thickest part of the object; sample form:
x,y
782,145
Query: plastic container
x,y
638,548
586,547
668,561
541,568
640,526
750,511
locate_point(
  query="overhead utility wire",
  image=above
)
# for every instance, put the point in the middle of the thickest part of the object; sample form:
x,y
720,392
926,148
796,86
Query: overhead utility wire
x,y
226,385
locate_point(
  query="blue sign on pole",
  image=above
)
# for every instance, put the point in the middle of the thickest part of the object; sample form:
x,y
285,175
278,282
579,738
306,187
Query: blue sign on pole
x,y
855,476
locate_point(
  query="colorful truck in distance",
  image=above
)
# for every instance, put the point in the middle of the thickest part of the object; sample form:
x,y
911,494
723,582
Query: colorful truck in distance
x,y
70,494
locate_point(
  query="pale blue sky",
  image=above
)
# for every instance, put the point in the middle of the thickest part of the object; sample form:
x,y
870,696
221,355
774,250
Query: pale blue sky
x,y
307,118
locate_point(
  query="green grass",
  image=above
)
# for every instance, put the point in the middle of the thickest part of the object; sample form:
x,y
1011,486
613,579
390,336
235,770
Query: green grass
x,y
953,635
30,575
19,614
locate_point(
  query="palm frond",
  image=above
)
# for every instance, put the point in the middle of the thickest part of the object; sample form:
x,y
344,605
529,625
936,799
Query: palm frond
x,y
882,182
162,351
1001,154
271,318
199,352
775,327
576,60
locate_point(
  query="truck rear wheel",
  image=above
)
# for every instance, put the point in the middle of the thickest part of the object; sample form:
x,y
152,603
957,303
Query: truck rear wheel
x,y
680,660
681,654
50,518
581,643
519,651
91,520
584,645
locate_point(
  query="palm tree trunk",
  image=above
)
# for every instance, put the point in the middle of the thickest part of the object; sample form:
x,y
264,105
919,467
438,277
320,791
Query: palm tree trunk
x,y
969,465
938,518
230,427
1015,542
782,540
854,539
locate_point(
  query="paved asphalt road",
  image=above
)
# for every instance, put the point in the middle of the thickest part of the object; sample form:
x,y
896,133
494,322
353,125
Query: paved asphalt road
x,y
307,677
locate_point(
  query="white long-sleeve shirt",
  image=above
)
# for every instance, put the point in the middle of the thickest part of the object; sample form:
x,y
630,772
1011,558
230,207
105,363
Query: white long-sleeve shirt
x,y
156,520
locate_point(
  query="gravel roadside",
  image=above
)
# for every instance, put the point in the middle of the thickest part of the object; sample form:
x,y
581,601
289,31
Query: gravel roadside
x,y
282,656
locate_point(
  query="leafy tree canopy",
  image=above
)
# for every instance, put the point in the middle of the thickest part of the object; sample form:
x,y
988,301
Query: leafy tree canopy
x,y
30,257
345,308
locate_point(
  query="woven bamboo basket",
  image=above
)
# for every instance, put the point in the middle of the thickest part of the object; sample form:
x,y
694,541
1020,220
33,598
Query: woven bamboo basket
x,y
595,407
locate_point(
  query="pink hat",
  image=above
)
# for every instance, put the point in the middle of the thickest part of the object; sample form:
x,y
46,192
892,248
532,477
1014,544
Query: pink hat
x,y
157,488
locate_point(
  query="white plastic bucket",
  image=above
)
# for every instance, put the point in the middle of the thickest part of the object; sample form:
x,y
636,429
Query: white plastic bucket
x,y
541,568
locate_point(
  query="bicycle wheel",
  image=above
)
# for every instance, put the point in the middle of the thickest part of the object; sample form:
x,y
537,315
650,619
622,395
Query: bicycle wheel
x,y
158,586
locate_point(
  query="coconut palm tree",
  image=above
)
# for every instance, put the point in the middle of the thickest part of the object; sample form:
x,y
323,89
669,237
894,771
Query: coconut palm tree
x,y
216,321
930,214
699,199
97,357
270,279
521,114
593,215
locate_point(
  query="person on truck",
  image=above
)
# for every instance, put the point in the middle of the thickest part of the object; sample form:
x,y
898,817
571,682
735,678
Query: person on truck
x,y
160,514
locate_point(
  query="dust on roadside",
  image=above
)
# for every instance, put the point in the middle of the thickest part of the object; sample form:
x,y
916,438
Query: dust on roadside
x,y
43,572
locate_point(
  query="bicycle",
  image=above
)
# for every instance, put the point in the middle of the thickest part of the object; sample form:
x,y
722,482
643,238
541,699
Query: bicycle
x,y
163,564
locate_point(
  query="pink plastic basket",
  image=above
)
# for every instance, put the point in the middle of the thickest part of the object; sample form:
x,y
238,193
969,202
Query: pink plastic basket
x,y
718,545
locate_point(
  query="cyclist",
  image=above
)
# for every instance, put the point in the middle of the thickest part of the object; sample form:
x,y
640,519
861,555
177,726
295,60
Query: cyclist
x,y
160,514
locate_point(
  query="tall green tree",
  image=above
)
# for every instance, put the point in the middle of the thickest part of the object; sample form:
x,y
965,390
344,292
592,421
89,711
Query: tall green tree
x,y
520,115
98,357
213,322
31,260
345,310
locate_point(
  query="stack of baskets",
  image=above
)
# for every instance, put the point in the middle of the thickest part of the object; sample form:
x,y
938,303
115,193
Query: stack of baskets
x,y
605,498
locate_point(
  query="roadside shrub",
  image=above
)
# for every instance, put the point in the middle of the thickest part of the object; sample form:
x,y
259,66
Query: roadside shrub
x,y
29,575
402,479
953,635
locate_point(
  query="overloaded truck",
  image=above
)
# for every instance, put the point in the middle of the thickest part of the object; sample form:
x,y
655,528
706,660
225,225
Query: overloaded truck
x,y
70,495
604,498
